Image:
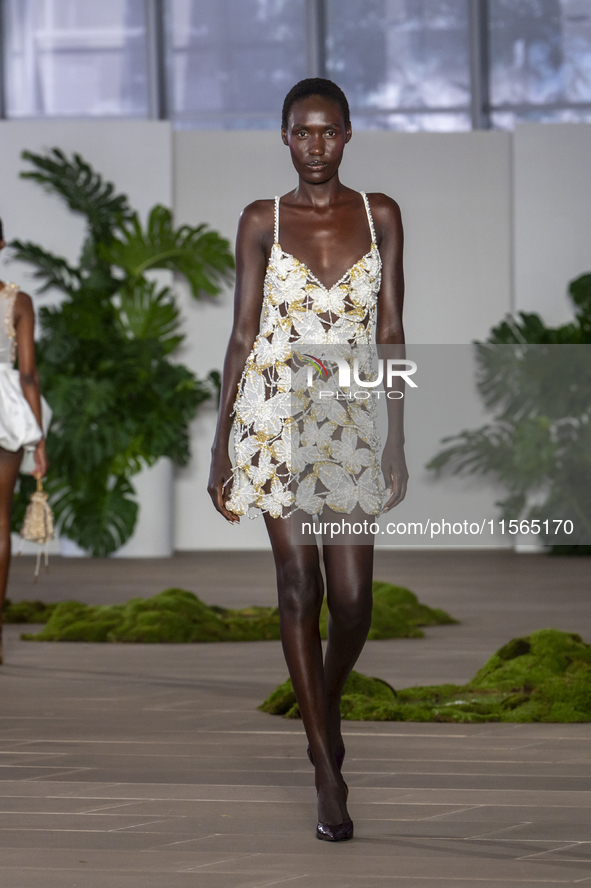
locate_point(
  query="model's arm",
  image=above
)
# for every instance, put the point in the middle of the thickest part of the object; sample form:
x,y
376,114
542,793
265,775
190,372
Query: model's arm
x,y
390,337
24,324
254,230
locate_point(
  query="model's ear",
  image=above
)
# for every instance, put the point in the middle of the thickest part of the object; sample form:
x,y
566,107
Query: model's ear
x,y
284,136
348,133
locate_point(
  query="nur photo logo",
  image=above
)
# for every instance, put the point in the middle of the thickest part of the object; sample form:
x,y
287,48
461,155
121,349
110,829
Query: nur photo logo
x,y
389,369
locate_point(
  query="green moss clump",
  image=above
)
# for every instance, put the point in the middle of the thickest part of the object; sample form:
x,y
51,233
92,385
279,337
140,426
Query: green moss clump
x,y
178,616
545,677
174,616
26,611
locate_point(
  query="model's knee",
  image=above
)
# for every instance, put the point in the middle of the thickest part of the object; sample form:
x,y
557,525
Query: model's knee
x,y
352,607
300,590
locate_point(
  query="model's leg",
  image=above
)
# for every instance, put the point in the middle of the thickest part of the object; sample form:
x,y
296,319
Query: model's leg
x,y
9,466
349,572
300,588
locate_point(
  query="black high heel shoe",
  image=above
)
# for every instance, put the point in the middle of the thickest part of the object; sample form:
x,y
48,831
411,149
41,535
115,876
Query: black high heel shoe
x,y
341,833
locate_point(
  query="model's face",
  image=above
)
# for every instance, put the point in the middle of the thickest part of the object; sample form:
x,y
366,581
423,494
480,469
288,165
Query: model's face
x,y
316,135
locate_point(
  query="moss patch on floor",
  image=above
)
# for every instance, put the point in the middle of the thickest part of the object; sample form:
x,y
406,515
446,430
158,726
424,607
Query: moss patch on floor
x,y
26,611
178,616
174,616
545,677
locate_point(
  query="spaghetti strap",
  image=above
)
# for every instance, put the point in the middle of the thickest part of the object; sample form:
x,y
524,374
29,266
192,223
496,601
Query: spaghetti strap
x,y
369,217
276,229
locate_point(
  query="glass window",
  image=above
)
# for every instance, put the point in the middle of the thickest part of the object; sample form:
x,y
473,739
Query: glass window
x,y
233,61
74,57
540,55
392,56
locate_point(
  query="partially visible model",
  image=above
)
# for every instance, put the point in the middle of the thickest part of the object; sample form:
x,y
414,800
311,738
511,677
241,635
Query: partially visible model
x,y
21,419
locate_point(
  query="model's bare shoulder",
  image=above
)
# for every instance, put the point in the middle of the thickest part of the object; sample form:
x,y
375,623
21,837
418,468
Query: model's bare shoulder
x,y
386,215
258,214
383,206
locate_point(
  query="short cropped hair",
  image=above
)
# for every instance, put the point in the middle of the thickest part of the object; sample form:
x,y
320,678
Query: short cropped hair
x,y
316,86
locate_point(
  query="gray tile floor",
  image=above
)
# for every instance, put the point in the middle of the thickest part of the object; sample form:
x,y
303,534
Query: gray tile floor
x,y
138,765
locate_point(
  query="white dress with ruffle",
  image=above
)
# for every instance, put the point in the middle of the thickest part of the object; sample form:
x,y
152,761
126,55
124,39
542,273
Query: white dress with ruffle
x,y
18,426
294,450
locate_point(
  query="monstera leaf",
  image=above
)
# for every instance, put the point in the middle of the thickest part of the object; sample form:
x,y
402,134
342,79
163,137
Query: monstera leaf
x,y
99,513
83,189
199,254
144,312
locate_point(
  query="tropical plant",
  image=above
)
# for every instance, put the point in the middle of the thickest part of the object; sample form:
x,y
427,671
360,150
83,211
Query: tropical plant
x,y
119,402
537,379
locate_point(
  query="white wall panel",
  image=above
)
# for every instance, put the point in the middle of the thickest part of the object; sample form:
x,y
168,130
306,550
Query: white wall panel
x,y
552,182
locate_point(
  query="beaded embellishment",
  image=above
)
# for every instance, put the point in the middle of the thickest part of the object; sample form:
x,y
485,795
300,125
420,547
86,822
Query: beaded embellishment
x,y
9,292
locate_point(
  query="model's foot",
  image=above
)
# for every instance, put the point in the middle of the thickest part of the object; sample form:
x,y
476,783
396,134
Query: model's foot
x,y
332,802
340,833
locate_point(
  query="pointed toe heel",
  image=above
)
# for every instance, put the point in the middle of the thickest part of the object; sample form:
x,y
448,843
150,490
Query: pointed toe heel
x,y
341,833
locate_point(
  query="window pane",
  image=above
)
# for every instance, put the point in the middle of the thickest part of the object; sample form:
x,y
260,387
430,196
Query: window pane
x,y
233,61
435,122
507,119
540,51
397,54
74,57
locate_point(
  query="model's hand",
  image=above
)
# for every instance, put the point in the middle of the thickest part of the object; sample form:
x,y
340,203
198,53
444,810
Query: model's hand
x,y
218,488
41,461
395,474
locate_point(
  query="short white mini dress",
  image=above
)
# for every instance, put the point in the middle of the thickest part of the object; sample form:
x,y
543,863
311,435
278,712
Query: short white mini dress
x,y
293,449
18,426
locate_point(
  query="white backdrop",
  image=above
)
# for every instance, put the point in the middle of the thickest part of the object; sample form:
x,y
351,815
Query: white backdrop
x,y
493,220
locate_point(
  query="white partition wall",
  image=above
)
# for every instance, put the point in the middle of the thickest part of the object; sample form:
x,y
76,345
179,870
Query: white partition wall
x,y
552,188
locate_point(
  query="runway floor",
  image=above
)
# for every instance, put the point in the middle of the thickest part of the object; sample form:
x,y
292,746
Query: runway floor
x,y
138,766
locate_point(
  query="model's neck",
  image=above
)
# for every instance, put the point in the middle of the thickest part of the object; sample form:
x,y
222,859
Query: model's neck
x,y
318,194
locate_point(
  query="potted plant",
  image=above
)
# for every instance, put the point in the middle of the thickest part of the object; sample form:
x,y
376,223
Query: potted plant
x,y
537,379
104,354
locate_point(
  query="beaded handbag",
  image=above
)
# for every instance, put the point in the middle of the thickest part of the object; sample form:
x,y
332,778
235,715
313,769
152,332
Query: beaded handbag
x,y
38,524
